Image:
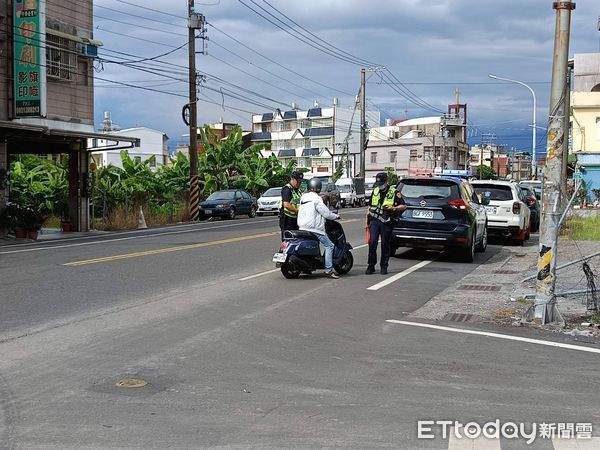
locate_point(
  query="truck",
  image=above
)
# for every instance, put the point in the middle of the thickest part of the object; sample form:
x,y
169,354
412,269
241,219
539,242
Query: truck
x,y
352,191
369,185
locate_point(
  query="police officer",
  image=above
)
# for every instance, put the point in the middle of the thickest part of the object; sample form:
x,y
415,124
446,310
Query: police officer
x,y
385,205
289,203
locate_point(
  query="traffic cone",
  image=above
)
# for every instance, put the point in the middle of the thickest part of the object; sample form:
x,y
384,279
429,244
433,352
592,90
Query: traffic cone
x,y
142,220
584,206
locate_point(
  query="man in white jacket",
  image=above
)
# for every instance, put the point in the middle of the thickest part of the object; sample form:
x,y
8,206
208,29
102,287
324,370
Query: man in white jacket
x,y
311,217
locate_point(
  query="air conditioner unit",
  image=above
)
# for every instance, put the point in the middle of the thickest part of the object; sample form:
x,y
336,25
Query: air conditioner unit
x,y
87,50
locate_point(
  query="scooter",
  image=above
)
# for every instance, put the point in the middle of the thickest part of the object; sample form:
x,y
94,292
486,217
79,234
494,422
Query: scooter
x,y
300,251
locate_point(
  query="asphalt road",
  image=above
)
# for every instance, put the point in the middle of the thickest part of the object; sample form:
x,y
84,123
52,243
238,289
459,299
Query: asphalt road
x,y
235,355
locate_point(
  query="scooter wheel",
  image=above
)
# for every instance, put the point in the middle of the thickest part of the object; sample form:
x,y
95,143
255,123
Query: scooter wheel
x,y
288,273
345,264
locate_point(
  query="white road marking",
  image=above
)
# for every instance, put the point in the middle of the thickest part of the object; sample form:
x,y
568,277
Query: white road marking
x,y
259,274
576,444
497,335
360,246
102,241
464,443
402,274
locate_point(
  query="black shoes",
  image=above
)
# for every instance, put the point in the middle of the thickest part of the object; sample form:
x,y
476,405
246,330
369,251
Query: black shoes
x,y
370,270
384,271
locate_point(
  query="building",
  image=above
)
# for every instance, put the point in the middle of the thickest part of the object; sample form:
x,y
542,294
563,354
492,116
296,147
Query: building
x,y
221,129
47,89
152,145
319,139
519,166
585,103
491,155
419,146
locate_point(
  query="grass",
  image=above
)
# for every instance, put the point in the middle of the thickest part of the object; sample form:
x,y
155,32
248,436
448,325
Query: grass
x,y
127,219
582,228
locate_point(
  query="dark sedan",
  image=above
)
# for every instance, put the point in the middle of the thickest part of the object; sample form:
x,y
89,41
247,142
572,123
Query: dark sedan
x,y
227,204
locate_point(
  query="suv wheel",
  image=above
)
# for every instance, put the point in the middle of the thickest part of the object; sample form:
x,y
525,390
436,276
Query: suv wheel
x,y
468,254
483,243
252,212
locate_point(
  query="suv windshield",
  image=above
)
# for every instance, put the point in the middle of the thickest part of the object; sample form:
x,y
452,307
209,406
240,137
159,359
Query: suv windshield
x,y
345,188
428,189
496,192
221,195
273,192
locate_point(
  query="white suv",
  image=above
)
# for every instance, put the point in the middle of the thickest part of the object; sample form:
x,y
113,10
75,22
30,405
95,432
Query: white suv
x,y
507,214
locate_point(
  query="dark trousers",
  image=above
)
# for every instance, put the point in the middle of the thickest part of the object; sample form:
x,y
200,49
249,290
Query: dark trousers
x,y
376,229
287,223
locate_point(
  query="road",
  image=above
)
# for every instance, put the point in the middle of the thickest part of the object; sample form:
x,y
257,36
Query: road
x,y
233,354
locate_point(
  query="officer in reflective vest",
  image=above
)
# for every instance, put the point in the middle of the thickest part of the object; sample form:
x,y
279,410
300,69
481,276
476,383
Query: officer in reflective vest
x,y
289,203
385,204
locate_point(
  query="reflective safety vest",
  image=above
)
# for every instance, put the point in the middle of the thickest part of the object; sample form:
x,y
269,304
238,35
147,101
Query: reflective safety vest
x,y
296,194
376,208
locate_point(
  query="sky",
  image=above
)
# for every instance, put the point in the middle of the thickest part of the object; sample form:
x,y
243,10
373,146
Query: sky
x,y
260,55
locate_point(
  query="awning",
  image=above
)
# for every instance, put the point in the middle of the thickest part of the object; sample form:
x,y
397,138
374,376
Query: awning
x,y
73,37
15,131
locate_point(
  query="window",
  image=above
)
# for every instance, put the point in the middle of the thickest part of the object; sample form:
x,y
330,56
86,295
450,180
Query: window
x,y
373,157
393,156
414,155
598,128
245,195
61,58
152,162
137,159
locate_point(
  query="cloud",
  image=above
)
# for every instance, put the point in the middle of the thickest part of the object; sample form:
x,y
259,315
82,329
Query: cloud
x,y
444,43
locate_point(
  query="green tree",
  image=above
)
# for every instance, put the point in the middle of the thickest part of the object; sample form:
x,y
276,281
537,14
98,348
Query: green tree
x,y
485,172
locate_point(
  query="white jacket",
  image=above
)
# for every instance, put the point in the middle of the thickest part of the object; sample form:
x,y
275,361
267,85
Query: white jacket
x,y
313,213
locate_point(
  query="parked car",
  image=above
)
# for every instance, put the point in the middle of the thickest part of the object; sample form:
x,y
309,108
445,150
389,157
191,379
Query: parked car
x,y
228,204
442,213
530,199
268,203
330,193
508,215
534,185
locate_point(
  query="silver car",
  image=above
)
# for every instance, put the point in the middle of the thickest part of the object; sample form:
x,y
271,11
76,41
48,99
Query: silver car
x,y
268,203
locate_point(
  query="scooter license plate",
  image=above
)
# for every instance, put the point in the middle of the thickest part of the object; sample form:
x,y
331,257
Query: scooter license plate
x,y
279,257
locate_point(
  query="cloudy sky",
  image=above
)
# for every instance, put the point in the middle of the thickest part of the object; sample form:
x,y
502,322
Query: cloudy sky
x,y
264,54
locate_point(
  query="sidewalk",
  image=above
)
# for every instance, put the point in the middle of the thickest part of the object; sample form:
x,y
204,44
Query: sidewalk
x,y
495,292
49,234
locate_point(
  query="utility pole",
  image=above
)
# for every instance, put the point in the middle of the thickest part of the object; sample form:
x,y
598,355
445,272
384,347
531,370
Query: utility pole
x,y
567,127
194,22
444,142
363,125
545,300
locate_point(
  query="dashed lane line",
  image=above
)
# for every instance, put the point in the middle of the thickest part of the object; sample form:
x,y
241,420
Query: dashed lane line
x,y
402,274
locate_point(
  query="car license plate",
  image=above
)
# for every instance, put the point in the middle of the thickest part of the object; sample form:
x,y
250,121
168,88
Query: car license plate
x,y
279,257
422,214
490,209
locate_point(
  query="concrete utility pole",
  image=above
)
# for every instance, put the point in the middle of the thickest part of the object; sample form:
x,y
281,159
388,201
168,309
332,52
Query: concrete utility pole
x,y
194,22
565,147
545,300
363,125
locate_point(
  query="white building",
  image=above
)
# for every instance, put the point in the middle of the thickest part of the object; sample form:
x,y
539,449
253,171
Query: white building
x,y
152,143
316,138
417,146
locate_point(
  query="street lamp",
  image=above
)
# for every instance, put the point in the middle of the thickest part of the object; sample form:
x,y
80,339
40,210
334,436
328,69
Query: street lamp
x,y
533,125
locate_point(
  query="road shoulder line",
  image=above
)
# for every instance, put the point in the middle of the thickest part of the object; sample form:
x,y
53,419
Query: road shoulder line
x,y
497,335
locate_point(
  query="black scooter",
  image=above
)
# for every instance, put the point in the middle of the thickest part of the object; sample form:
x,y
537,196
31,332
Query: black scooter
x,y
300,251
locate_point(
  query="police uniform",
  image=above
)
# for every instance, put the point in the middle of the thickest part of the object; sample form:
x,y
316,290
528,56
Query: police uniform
x,y
381,223
288,220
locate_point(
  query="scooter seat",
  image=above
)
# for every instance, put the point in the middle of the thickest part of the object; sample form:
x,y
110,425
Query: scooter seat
x,y
300,234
